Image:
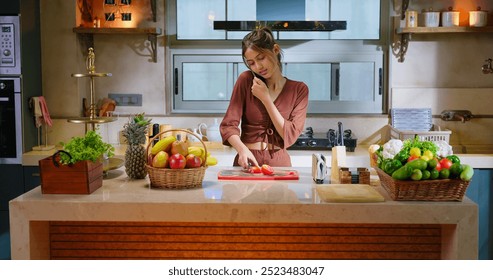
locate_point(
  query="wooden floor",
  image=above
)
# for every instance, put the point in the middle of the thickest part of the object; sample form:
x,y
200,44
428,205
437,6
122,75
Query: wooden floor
x,y
172,240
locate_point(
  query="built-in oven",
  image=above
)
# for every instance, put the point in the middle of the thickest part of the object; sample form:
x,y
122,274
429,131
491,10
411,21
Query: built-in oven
x,y
10,121
10,91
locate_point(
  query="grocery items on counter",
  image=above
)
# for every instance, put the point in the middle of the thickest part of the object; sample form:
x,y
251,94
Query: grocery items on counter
x,y
413,159
174,153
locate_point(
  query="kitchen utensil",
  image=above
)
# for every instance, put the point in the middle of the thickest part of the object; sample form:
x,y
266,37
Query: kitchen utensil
x,y
348,193
339,135
240,174
450,18
319,168
478,18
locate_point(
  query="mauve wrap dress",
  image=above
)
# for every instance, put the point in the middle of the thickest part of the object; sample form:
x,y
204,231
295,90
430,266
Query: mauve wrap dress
x,y
256,126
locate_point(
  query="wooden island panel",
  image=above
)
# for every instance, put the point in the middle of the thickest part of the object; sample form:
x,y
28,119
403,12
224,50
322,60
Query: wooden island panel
x,y
213,240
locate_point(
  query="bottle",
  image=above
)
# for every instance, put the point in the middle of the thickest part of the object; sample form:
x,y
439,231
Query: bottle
x,y
155,131
213,133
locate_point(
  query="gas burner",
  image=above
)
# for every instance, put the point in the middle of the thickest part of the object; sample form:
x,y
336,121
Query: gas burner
x,y
308,140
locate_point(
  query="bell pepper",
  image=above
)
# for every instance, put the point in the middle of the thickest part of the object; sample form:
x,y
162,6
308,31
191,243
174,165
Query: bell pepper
x,y
402,156
454,159
391,165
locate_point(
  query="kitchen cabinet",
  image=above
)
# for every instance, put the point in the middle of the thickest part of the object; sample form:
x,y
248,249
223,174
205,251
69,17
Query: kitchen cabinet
x,y
10,187
402,35
32,177
479,191
4,236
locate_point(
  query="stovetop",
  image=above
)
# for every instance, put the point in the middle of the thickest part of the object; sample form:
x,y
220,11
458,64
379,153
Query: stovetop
x,y
308,140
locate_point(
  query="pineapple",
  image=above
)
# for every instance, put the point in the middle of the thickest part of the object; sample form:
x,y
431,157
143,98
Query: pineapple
x,y
135,156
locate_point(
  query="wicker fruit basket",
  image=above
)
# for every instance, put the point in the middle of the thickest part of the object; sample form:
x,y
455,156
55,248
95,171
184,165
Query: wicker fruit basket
x,y
426,190
167,178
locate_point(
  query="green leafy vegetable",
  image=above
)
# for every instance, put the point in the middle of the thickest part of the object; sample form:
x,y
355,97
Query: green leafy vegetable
x,y
411,143
91,147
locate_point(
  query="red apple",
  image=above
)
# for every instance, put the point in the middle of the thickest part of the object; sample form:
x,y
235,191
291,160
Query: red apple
x,y
177,161
193,161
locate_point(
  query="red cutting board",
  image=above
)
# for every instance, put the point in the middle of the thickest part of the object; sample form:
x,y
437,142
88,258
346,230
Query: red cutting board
x,y
239,174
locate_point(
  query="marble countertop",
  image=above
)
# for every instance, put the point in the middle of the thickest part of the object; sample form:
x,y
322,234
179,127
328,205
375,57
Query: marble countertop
x,y
299,158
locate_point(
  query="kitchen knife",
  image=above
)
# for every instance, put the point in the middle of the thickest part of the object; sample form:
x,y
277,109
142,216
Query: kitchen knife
x,y
340,134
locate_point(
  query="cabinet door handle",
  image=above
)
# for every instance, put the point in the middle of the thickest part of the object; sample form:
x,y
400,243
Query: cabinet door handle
x,y
337,81
176,81
380,81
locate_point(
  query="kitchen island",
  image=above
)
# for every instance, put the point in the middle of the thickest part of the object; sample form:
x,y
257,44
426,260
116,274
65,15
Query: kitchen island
x,y
235,219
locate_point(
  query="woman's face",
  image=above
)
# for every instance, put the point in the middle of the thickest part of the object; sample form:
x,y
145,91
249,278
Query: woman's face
x,y
261,63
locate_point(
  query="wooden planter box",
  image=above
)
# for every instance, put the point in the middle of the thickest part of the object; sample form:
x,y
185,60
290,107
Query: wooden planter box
x,y
83,177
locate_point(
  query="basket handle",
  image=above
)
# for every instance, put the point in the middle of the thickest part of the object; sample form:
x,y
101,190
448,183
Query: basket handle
x,y
151,141
56,156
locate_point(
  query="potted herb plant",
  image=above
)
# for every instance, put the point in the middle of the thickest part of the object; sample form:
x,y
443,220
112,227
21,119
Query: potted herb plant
x,y
77,168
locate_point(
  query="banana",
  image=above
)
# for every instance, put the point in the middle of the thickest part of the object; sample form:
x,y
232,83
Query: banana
x,y
198,151
163,144
211,161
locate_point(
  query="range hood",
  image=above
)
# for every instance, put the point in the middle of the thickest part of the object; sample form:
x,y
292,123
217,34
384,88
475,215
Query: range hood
x,y
288,25
291,15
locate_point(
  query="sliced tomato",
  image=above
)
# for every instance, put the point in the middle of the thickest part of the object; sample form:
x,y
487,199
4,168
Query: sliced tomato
x,y
255,169
267,169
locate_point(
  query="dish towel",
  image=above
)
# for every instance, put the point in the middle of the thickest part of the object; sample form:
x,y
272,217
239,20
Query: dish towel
x,y
41,113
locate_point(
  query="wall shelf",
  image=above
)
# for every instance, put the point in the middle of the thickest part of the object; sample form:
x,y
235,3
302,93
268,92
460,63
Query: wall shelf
x,y
86,35
455,29
402,35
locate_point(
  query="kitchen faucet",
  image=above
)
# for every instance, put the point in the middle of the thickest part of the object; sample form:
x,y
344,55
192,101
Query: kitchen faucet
x,y
456,115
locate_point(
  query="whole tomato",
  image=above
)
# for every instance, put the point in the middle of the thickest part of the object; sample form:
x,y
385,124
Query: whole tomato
x,y
267,169
439,167
446,163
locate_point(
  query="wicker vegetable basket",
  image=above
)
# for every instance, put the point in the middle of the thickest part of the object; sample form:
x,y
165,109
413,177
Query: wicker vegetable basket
x,y
426,190
167,178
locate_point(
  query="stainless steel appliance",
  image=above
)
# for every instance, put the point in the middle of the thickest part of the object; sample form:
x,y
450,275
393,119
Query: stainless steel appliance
x,y
10,91
10,48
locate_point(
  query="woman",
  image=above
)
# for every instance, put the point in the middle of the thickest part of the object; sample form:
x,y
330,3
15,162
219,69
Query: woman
x,y
270,108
